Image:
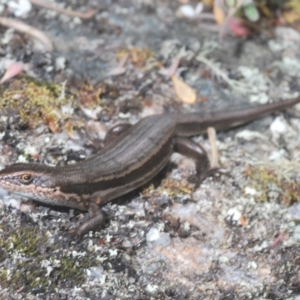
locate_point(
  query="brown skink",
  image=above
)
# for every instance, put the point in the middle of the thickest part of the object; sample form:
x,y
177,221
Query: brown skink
x,y
132,159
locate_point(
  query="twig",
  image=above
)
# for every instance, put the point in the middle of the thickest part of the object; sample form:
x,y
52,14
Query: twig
x,y
240,87
120,68
214,163
22,27
174,66
82,15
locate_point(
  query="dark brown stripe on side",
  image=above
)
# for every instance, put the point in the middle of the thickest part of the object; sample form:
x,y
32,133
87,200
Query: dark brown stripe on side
x,y
152,166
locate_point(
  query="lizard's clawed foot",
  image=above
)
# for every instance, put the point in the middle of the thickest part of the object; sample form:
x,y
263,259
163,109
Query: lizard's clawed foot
x,y
200,177
95,220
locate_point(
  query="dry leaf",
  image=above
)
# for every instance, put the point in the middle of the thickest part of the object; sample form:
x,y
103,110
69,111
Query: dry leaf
x,y
52,122
243,221
69,127
208,3
184,92
291,16
218,14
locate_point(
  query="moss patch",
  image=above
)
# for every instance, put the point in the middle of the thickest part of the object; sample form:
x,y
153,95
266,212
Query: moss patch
x,y
171,187
29,102
264,179
29,262
140,57
92,97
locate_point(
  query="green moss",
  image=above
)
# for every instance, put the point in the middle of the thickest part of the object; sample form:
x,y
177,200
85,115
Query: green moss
x,y
170,186
264,178
30,102
92,96
72,268
32,262
140,57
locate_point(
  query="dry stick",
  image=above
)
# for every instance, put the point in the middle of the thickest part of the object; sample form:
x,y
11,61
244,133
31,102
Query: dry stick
x,y
82,15
230,14
211,132
22,27
120,68
237,86
174,66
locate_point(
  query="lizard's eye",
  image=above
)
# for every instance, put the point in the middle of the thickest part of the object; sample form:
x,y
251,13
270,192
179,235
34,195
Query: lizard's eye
x,y
26,178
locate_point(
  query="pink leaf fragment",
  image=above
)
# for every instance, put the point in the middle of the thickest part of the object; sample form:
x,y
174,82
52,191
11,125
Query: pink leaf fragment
x,y
237,27
13,70
278,240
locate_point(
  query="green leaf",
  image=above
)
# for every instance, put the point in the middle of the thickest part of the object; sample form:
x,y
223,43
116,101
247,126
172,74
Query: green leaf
x,y
251,12
230,3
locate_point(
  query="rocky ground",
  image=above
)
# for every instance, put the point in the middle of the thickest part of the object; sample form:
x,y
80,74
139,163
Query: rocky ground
x,y
236,237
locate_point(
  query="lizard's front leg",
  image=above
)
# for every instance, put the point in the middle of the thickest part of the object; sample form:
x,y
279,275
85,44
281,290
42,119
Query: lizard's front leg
x,y
94,221
96,215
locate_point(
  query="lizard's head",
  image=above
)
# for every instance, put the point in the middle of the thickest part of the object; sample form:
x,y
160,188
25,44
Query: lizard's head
x,y
37,182
26,179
